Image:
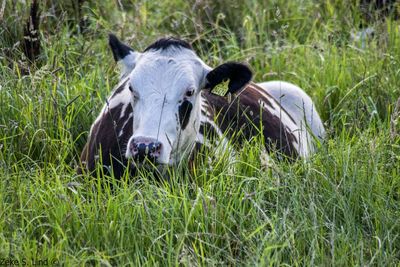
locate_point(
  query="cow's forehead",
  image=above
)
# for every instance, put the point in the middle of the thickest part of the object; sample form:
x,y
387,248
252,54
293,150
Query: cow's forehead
x,y
175,53
159,70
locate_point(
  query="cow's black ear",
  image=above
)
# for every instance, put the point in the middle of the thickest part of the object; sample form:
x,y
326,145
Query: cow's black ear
x,y
238,75
124,54
119,49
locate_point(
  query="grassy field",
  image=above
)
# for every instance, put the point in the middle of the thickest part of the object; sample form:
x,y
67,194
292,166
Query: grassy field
x,y
341,207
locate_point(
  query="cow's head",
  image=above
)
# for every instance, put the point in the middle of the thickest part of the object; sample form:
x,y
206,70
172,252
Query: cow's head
x,y
165,83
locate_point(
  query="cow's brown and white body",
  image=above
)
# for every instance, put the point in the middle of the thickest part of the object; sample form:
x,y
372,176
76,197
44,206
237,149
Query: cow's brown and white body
x,y
282,112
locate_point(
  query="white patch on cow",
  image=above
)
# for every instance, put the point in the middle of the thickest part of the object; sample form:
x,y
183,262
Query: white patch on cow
x,y
124,97
123,110
121,132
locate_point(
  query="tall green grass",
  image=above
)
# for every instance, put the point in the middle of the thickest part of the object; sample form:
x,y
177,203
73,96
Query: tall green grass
x,y
340,207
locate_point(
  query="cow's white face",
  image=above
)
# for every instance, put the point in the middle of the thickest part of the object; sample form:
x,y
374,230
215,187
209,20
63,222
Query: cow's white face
x,y
166,101
165,83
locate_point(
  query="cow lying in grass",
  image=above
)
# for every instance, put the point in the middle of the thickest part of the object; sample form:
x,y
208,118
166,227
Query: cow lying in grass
x,y
163,108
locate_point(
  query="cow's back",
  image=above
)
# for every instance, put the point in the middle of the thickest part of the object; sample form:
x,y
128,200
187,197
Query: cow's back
x,y
282,111
297,103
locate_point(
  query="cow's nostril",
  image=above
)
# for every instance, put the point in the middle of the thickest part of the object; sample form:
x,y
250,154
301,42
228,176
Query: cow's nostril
x,y
134,147
156,147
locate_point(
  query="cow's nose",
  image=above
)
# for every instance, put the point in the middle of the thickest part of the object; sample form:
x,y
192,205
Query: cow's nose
x,y
145,147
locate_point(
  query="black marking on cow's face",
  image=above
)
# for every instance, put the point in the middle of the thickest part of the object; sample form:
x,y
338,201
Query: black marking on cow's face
x,y
184,113
118,49
165,43
238,75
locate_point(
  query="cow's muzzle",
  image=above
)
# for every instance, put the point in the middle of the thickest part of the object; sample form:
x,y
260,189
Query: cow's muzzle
x,y
145,148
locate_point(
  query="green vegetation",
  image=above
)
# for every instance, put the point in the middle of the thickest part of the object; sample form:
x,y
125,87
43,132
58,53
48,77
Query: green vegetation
x,y
341,207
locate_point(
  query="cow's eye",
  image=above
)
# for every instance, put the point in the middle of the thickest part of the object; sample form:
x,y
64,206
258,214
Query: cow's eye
x,y
130,88
189,93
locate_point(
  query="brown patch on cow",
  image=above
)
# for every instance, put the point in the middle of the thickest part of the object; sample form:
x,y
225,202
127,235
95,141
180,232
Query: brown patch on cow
x,y
105,145
245,116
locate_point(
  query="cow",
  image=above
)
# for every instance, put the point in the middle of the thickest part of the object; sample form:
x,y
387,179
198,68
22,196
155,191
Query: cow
x,y
164,108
